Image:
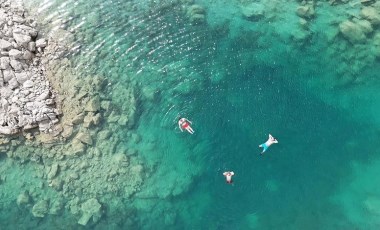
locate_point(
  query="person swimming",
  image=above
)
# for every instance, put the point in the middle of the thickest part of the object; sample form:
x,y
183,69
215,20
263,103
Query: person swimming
x,y
271,140
184,123
228,176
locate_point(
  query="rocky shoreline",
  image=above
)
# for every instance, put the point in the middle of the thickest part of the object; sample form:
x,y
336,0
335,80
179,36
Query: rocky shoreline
x,y
49,118
27,98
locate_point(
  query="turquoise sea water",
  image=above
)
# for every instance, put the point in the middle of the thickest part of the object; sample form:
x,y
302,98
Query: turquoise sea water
x,y
237,81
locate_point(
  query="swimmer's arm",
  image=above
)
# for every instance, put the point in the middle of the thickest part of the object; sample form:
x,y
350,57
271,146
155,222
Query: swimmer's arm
x,y
179,125
225,173
232,173
189,121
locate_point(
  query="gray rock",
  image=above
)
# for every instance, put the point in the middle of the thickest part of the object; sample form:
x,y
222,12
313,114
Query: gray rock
x,y
17,7
44,125
42,117
4,62
1,79
22,77
5,92
7,130
27,55
16,54
30,126
22,39
7,31
32,46
41,43
16,65
18,19
8,74
13,83
5,45
3,16
43,96
27,30
28,84
15,45
4,104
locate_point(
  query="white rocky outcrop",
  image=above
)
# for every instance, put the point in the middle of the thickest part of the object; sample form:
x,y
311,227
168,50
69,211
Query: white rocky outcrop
x,y
27,100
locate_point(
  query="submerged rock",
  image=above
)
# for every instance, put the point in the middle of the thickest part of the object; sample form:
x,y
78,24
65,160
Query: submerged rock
x,y
196,14
40,209
305,11
371,14
372,205
90,208
253,12
53,171
77,148
23,199
84,137
351,31
93,105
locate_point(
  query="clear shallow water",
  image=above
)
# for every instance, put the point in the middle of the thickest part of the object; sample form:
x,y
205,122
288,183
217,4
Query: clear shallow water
x,y
292,186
